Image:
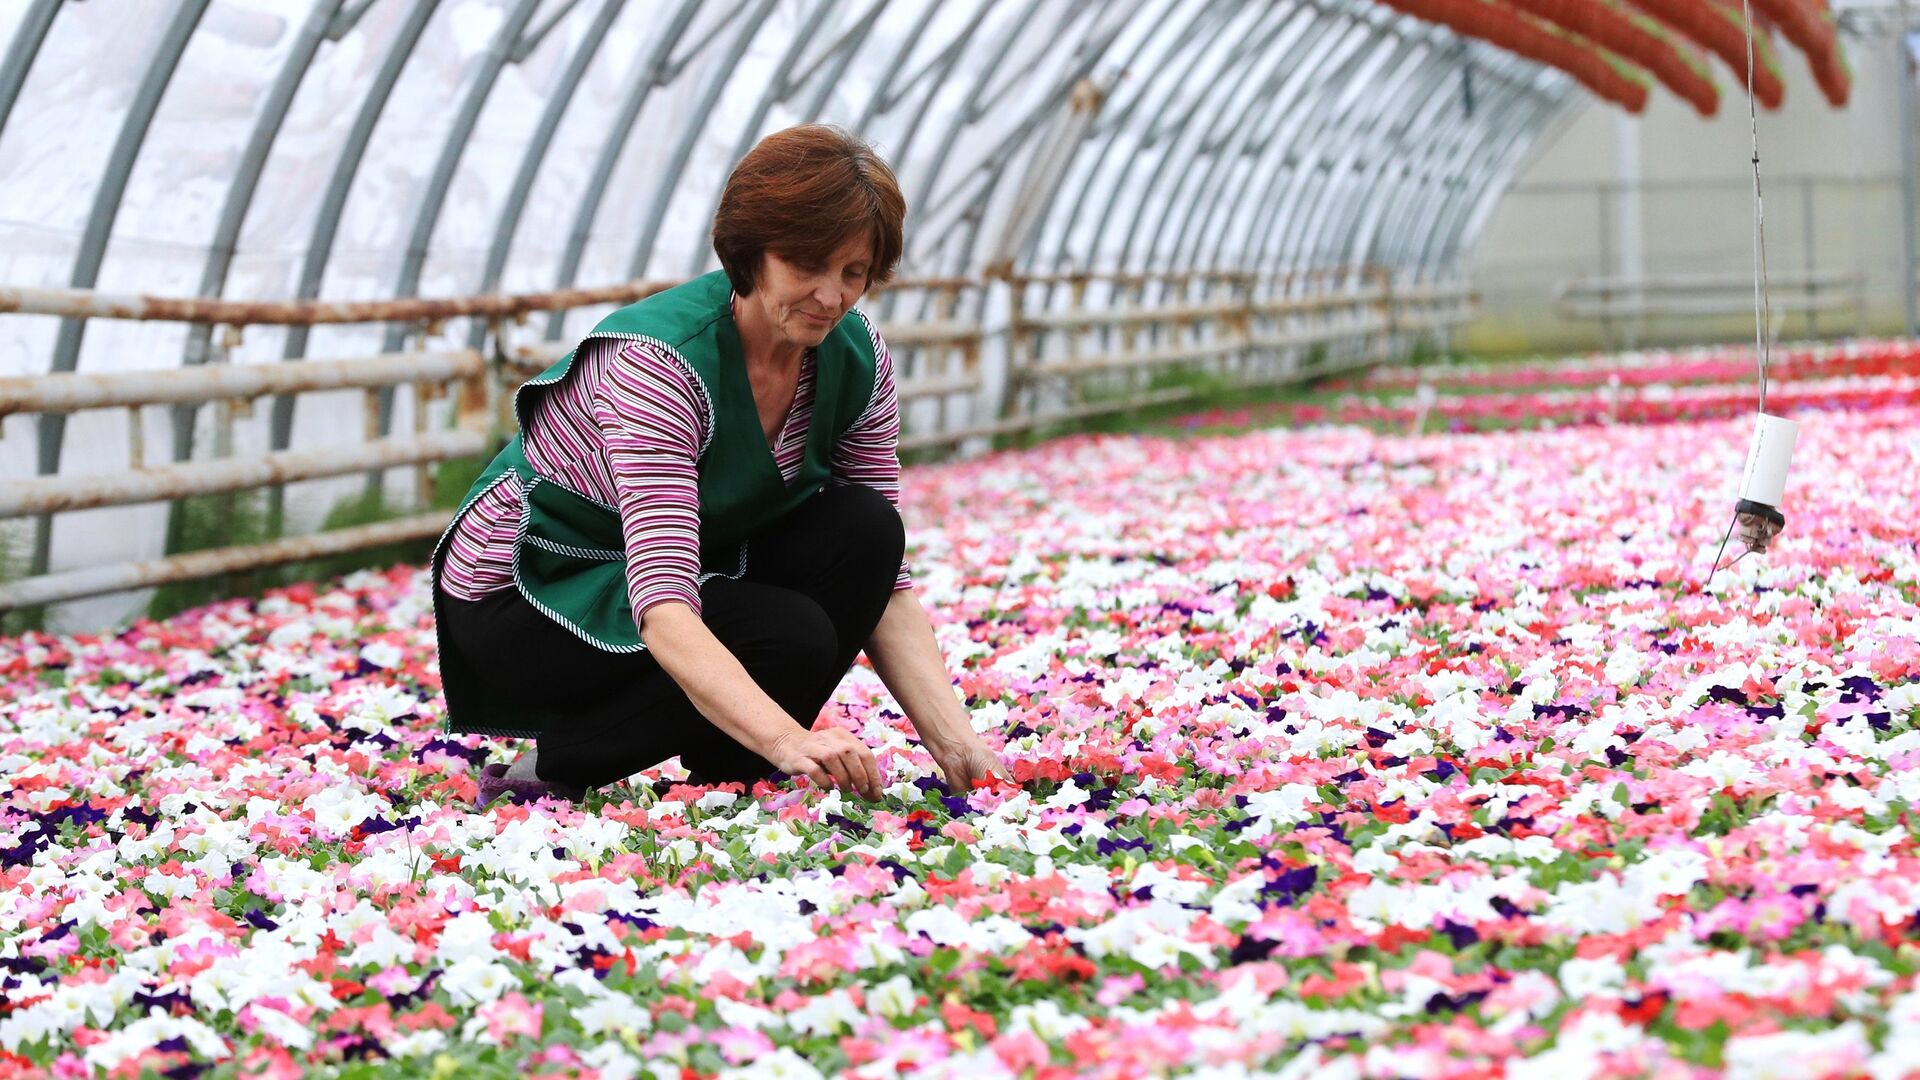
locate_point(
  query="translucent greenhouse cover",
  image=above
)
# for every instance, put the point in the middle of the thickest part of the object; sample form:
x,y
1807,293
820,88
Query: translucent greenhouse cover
x,y
365,149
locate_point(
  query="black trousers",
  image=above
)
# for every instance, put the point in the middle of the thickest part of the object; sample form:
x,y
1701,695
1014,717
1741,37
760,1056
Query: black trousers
x,y
815,586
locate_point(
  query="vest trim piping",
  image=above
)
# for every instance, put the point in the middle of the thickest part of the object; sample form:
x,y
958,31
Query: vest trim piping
x,y
693,377
735,576
520,537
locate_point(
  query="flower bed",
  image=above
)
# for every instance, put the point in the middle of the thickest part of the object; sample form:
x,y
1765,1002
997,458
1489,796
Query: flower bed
x,y
1717,364
1343,754
1650,403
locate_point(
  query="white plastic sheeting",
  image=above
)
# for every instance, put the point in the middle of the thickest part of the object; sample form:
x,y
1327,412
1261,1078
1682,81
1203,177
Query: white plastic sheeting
x,y
1209,134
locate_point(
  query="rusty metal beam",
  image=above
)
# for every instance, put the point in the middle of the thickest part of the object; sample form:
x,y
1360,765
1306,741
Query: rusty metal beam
x,y
75,391
86,303
90,304
53,494
146,573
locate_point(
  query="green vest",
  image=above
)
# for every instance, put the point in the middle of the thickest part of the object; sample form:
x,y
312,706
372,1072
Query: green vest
x,y
569,559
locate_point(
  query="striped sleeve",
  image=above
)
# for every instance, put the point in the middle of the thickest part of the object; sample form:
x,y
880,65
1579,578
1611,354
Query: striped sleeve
x,y
655,418
869,452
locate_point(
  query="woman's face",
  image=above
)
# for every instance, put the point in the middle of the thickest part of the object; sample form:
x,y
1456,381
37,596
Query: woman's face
x,y
802,302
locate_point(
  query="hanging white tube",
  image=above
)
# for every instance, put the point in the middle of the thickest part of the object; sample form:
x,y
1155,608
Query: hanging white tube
x,y
1765,480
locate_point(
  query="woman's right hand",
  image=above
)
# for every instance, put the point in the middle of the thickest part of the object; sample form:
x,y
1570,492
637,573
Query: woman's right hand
x,y
830,757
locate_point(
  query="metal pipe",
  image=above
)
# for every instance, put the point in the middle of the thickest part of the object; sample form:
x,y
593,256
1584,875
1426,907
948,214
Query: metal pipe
x,y
536,153
318,27
646,78
54,494
1248,51
1230,149
1117,117
100,580
1370,126
510,44
21,52
212,311
694,124
1238,206
326,222
776,89
1225,39
1275,146
74,391
99,229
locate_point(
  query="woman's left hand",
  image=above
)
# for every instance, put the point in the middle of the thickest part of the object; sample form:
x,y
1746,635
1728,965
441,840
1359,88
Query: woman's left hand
x,y
964,762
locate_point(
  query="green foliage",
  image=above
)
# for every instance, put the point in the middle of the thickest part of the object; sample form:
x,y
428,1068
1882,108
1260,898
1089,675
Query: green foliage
x,y
202,522
13,562
213,521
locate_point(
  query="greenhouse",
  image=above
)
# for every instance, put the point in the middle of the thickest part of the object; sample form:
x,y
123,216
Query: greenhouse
x,y
1028,538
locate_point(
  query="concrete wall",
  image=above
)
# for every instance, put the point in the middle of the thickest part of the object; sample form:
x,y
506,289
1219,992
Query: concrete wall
x,y
1830,180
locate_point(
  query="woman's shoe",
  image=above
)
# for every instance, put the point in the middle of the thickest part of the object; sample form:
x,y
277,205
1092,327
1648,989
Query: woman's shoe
x,y
494,783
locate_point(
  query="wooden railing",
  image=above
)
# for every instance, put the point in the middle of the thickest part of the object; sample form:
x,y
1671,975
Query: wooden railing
x,y
1063,336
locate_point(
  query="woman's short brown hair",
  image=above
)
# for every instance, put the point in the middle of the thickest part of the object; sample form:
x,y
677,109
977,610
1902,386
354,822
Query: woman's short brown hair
x,y
800,194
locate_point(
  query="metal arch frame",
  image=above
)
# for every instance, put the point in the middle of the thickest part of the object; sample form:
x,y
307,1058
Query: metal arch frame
x,y
752,21
1108,128
965,231
977,103
1155,136
1504,73
313,265
1276,146
886,97
1027,257
997,162
1448,180
1423,180
325,21
1313,179
1447,163
1387,189
99,230
1326,196
27,39
1453,171
1279,199
778,89
1450,223
510,45
843,51
1205,13
944,64
1456,173
1365,125
1268,145
1414,106
326,222
993,167
535,155
649,75
1229,154
1245,57
1415,192
1324,172
1556,114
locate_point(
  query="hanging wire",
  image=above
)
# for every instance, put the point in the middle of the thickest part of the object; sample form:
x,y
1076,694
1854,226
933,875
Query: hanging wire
x,y
1762,290
1762,293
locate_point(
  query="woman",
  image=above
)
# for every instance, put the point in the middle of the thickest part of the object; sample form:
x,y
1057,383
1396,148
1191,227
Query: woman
x,y
696,530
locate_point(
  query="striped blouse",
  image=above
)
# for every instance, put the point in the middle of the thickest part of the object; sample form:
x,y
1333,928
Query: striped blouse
x,y
626,427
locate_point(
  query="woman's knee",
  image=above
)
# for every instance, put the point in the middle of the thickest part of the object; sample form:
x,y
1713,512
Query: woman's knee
x,y
791,643
873,520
